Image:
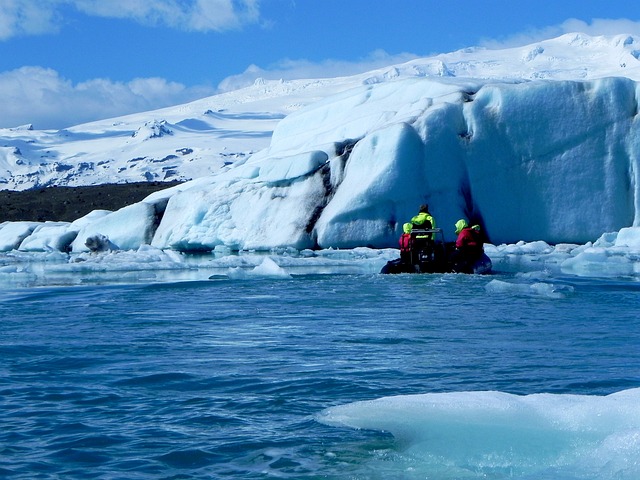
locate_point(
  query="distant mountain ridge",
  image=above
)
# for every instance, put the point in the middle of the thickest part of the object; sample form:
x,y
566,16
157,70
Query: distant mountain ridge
x,y
209,135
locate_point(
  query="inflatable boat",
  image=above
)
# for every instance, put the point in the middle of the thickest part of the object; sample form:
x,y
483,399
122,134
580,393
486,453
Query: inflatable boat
x,y
430,254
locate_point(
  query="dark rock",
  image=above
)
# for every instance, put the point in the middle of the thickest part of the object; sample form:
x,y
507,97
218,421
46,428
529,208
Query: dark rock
x,y
66,204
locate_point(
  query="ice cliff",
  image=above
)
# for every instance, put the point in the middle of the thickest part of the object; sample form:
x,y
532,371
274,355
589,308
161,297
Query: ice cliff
x,y
528,160
529,151
552,160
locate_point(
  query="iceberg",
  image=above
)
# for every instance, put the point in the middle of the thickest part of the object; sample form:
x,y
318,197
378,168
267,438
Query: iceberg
x,y
548,167
538,160
495,434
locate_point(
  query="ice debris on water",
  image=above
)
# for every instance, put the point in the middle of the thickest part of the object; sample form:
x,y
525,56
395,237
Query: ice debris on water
x,y
537,289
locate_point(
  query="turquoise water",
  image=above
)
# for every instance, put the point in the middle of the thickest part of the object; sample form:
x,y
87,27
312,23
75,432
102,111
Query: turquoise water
x,y
234,378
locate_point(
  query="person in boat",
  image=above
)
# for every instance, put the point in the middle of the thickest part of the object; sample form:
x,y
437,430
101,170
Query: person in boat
x,y
423,219
423,242
406,243
469,244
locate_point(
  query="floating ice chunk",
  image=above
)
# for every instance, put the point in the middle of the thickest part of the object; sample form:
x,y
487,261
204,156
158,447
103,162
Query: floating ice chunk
x,y
601,262
628,237
606,240
144,258
350,253
529,248
523,256
267,269
539,275
504,435
538,289
551,290
222,251
12,234
127,228
49,236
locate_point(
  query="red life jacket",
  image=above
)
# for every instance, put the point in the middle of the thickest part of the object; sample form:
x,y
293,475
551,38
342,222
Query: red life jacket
x,y
405,242
467,238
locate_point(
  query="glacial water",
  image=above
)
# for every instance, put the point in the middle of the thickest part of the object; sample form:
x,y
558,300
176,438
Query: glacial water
x,y
322,376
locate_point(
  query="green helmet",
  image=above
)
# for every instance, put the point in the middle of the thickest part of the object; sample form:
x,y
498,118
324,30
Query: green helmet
x,y
406,228
460,224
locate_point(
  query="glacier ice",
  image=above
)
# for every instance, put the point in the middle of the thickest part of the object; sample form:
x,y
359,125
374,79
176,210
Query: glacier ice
x,y
531,161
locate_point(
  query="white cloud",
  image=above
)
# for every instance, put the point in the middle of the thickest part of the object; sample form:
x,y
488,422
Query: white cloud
x,y
598,26
40,96
288,69
601,26
33,17
25,17
195,15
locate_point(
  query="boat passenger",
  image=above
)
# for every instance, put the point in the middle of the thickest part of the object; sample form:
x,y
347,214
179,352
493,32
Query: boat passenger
x,y
423,219
469,242
423,242
406,243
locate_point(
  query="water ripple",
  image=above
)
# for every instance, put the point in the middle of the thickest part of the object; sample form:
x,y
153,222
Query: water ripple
x,y
223,379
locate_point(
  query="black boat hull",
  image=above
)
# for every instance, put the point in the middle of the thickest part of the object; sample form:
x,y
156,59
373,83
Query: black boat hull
x,y
479,266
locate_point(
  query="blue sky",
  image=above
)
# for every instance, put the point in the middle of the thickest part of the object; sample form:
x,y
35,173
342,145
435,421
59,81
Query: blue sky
x,y
63,62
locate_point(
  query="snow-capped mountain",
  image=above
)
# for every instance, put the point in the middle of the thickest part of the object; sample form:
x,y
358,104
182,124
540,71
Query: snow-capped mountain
x,y
203,137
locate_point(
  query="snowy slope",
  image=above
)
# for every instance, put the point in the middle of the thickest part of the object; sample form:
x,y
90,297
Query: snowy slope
x,y
205,136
